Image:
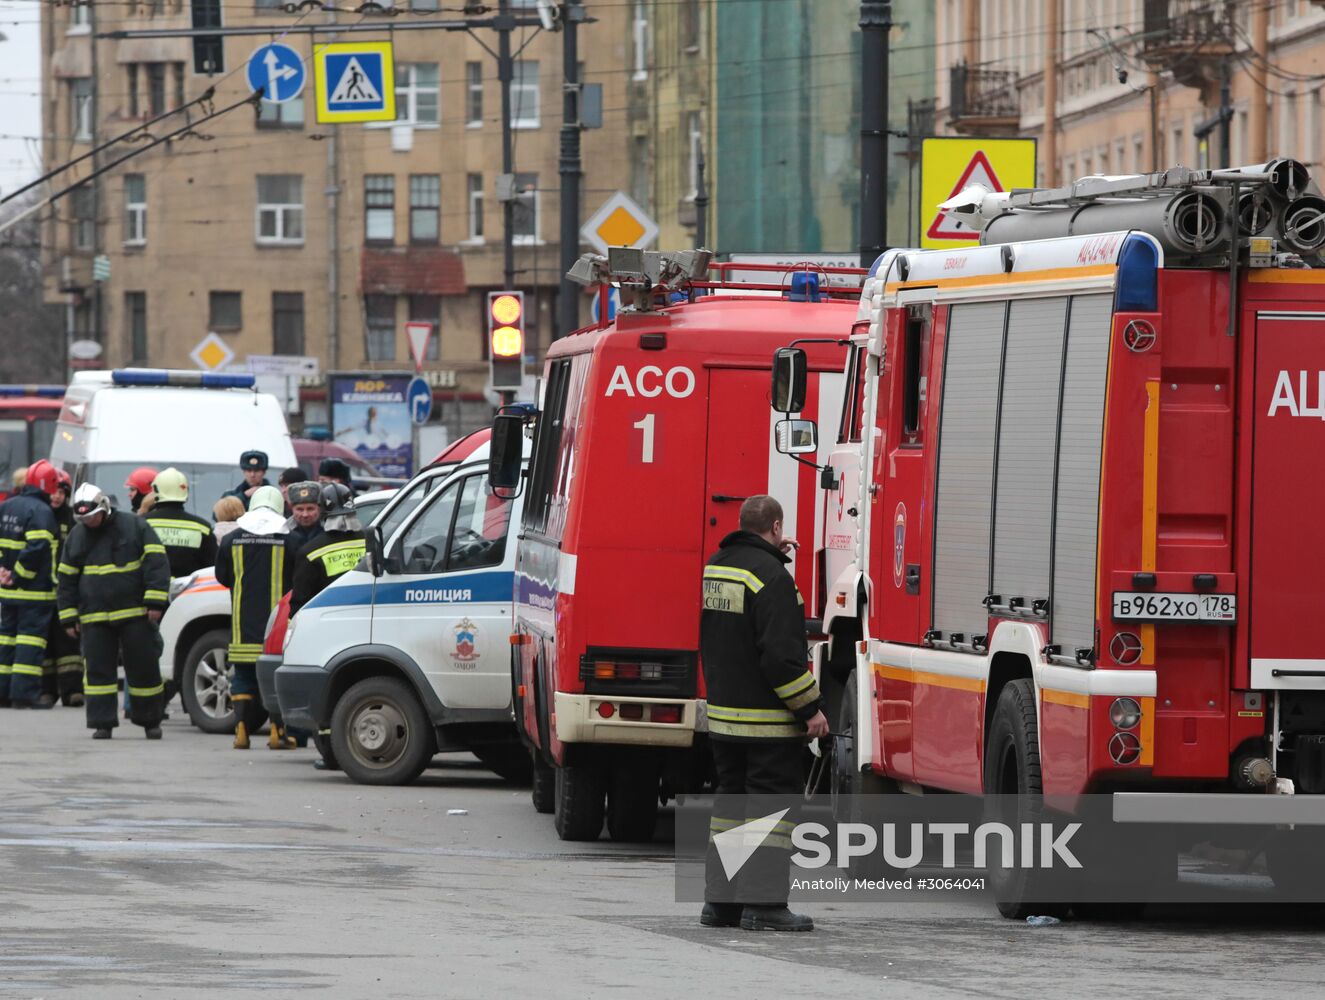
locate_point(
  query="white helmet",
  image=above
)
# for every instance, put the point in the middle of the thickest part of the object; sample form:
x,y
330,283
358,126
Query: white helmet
x,y
88,499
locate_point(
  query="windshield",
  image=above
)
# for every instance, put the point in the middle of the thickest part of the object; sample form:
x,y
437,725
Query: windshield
x,y
206,483
13,450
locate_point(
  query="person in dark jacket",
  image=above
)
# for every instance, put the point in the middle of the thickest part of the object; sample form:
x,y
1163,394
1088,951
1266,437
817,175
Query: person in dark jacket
x,y
305,523
252,563
62,673
27,586
763,703
190,544
254,466
334,470
114,587
292,475
336,550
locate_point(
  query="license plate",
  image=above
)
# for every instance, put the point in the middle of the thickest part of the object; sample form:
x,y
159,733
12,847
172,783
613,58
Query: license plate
x,y
1148,606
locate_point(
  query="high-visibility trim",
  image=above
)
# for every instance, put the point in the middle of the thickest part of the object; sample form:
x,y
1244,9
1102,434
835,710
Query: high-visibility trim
x,y
105,569
68,614
67,570
93,690
1150,506
156,595
95,617
6,640
888,672
353,543
244,652
1071,699
154,548
277,576
717,824
27,669
38,535
12,543
805,698
734,574
146,692
997,280
202,529
30,640
6,669
11,594
241,697
64,662
750,714
795,687
23,571
1147,758
769,731
236,593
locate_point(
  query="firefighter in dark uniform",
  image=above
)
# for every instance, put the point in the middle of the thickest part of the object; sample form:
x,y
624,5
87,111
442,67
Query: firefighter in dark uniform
x,y
190,544
27,586
254,466
252,563
336,550
305,502
62,673
763,703
114,586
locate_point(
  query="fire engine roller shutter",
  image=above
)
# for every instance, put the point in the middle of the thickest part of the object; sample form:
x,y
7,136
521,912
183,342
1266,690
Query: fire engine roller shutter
x,y
1027,429
963,502
1076,507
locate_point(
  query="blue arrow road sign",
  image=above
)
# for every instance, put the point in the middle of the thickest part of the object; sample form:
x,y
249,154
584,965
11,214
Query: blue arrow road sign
x,y
278,71
419,398
613,304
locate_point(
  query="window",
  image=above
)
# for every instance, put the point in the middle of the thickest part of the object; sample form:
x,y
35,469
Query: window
x,y
135,324
474,183
80,18
544,465
424,544
524,209
417,94
428,309
82,202
280,208
640,36
208,55
80,108
287,114
379,327
287,323
135,209
913,373
425,203
225,311
690,24
424,5
478,537
853,409
148,84
473,94
525,95
379,202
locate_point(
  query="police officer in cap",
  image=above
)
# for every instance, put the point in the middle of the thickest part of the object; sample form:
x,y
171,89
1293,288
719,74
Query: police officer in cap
x,y
305,503
763,703
254,466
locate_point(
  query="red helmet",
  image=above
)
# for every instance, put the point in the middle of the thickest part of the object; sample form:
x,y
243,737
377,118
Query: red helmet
x,y
140,479
66,480
42,475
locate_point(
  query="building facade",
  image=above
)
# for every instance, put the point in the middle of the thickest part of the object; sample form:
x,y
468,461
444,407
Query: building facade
x,y
281,235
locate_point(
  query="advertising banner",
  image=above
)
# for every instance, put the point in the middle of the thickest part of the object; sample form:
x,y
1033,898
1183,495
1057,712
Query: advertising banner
x,y
370,414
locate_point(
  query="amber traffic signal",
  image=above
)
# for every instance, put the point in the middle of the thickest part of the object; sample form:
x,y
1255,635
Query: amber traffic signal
x,y
506,339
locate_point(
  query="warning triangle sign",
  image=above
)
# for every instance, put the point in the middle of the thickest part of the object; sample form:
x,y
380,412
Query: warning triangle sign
x,y
355,87
951,227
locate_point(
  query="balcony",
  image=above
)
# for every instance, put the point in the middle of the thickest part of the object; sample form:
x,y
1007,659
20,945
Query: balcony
x,y
984,101
1190,38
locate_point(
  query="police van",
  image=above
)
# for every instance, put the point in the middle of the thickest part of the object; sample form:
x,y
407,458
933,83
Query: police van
x,y
112,422
408,654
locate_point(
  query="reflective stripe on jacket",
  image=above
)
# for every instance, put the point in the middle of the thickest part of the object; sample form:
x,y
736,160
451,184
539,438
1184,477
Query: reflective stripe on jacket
x,y
322,560
28,533
114,572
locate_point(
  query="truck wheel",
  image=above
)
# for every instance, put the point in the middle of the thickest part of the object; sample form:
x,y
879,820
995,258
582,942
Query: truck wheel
x,y
543,788
205,685
509,761
381,734
1012,772
847,782
578,811
632,804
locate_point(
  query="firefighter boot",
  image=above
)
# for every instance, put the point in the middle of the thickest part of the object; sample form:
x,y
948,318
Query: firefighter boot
x,y
720,915
241,735
278,740
774,918
152,732
101,734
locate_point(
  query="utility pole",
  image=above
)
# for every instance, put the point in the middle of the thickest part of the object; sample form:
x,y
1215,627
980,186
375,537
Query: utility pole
x,y
1051,93
701,202
505,71
569,166
1260,97
876,22
1226,118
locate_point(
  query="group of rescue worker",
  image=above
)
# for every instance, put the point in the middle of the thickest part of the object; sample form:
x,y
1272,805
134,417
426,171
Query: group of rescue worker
x,y
83,586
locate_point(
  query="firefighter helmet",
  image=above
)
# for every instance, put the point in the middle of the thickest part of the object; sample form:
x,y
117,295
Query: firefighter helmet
x,y
66,480
42,475
336,499
267,498
171,485
140,479
88,501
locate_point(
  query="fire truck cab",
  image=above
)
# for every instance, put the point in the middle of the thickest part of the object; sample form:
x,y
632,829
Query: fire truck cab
x,y
653,429
1088,548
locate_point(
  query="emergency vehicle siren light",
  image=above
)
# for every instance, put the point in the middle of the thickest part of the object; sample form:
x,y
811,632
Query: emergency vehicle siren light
x,y
506,338
44,391
162,376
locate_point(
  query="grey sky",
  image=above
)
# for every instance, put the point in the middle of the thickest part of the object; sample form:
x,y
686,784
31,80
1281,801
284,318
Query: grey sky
x,y
20,82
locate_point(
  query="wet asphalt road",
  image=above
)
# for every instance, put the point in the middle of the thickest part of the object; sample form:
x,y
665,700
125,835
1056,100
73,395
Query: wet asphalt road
x,y
186,869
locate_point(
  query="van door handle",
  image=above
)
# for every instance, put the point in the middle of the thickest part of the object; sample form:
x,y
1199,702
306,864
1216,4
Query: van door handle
x,y
724,498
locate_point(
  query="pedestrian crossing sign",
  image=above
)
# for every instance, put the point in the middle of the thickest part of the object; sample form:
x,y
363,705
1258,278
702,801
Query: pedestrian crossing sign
x,y
354,82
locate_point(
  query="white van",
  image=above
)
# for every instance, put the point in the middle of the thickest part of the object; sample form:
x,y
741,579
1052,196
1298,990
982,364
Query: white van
x,y
408,654
112,422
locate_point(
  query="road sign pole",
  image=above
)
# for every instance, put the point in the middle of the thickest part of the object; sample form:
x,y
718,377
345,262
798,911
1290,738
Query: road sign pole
x,y
505,71
876,21
568,299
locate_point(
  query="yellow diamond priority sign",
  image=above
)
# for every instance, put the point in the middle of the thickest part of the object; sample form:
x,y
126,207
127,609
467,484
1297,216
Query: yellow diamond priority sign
x,y
212,353
619,222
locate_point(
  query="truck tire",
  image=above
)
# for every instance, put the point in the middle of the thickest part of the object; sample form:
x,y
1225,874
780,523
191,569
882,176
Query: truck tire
x,y
848,783
381,734
578,810
509,761
205,684
1012,772
632,805
543,787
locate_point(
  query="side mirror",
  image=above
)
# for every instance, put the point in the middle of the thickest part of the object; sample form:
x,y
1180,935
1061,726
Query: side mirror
x,y
505,453
789,368
796,437
373,557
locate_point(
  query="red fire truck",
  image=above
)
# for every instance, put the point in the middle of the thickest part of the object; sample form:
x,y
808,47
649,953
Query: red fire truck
x,y
1087,466
652,430
27,425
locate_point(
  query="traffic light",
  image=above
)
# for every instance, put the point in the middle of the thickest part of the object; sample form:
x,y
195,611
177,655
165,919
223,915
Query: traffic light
x,y
506,339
